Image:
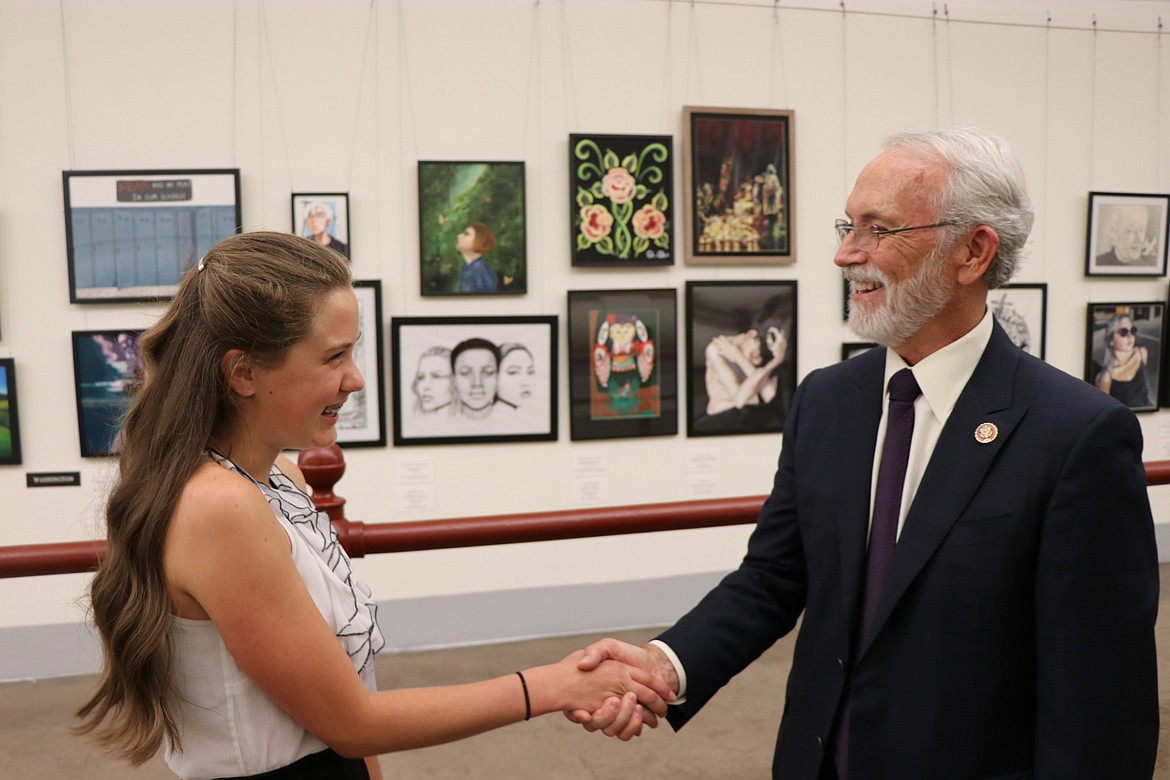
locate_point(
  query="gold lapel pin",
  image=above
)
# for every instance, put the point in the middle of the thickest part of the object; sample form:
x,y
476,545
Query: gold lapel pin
x,y
986,433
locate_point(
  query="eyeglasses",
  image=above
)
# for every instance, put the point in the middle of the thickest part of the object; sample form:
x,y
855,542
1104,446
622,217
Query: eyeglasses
x,y
1126,332
867,240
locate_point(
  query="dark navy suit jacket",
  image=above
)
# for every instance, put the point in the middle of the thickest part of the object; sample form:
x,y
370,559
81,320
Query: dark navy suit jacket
x,y
1014,635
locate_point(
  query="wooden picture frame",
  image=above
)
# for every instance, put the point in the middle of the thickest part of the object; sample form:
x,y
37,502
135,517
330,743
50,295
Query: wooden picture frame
x,y
467,380
362,421
324,218
107,369
131,235
739,184
1127,234
621,195
9,414
455,196
741,356
1022,311
623,363
1105,366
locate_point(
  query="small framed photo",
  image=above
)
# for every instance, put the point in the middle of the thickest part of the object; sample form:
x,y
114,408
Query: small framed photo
x,y
741,356
1022,311
1123,351
131,235
1127,234
107,369
9,414
362,421
322,217
738,182
472,238
464,380
623,363
854,348
621,200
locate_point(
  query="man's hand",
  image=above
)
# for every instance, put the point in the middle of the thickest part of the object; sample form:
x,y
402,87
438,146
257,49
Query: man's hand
x,y
623,717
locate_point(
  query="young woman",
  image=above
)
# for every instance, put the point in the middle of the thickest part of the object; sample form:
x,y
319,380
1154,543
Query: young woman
x,y
236,637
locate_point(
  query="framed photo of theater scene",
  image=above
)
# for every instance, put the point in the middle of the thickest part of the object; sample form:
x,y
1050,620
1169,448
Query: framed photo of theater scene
x,y
741,356
1022,311
131,235
463,380
322,217
107,368
362,421
1123,351
738,185
622,200
1127,234
623,363
9,414
472,238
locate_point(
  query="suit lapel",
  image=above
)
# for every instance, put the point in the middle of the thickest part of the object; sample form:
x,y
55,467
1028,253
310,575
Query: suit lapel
x,y
947,487
858,416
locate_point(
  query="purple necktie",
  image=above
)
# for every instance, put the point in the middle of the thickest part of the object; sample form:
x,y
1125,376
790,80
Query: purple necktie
x,y
887,505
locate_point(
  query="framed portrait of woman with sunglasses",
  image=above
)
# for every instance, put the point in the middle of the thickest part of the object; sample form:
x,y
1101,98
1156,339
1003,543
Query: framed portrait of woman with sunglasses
x,y
1123,351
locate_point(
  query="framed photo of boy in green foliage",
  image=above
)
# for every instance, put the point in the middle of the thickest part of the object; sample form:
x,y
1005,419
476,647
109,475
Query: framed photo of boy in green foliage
x,y
621,200
472,237
9,415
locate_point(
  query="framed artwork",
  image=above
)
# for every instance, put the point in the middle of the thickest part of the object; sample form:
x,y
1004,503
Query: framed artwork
x,y
322,217
741,356
623,363
131,235
107,368
461,380
1123,351
739,183
9,414
471,228
1022,311
362,421
854,348
622,199
1127,234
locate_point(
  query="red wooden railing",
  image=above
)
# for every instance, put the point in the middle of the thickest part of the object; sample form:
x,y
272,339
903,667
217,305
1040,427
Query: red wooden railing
x,y
324,467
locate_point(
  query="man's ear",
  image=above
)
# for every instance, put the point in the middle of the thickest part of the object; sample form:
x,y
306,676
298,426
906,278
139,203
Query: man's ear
x,y
979,246
238,369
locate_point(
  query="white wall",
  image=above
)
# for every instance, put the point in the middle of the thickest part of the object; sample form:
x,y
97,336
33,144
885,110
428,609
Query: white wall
x,y
303,95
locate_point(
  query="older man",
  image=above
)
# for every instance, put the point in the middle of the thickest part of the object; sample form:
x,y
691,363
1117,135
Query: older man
x,y
965,528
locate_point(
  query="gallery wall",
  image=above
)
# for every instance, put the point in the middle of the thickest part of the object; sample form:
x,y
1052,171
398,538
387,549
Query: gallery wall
x,y
348,96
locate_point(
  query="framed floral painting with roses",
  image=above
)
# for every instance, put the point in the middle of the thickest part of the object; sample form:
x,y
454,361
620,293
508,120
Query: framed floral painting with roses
x,y
738,182
622,200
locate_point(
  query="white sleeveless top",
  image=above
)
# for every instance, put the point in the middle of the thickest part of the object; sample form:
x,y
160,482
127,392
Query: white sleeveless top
x,y
229,727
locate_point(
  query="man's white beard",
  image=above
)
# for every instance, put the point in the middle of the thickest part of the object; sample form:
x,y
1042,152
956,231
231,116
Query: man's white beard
x,y
908,305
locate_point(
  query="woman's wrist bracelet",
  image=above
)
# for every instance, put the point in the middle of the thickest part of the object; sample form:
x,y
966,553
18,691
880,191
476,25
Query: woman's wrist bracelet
x,y
527,700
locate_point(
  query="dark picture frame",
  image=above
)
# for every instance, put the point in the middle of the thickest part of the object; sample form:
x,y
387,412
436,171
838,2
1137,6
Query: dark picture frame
x,y
854,348
468,380
456,195
621,195
362,421
741,356
1141,391
623,382
1022,311
130,235
9,414
321,215
1127,234
739,182
107,369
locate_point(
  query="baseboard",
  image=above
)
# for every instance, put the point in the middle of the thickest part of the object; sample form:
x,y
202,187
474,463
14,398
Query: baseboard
x,y
38,652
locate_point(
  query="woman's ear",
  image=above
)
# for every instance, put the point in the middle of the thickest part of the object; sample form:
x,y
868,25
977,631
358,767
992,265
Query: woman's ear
x,y
238,370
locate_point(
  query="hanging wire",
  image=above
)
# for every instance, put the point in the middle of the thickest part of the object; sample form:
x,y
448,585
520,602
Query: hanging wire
x,y
570,89
844,103
405,94
533,77
777,54
934,61
235,80
534,71
1047,137
950,65
693,56
357,113
1159,173
275,91
1093,108
666,69
68,89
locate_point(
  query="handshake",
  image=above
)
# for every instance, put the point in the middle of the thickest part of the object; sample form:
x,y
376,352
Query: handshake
x,y
613,687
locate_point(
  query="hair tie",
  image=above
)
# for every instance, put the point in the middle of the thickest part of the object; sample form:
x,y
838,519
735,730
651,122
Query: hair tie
x,y
201,265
